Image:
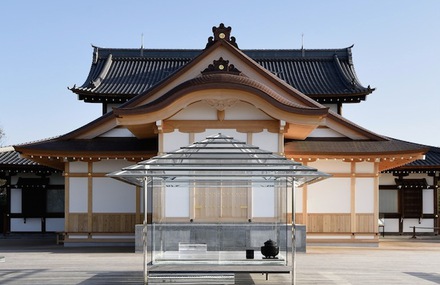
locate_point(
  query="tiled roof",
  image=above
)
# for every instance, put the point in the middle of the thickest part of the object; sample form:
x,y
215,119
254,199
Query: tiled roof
x,y
9,157
432,160
96,146
11,161
327,147
117,75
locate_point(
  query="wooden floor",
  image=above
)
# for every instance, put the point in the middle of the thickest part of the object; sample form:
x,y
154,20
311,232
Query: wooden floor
x,y
395,261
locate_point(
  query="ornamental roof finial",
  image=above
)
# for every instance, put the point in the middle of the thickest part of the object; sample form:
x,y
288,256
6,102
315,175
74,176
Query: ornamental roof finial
x,y
221,33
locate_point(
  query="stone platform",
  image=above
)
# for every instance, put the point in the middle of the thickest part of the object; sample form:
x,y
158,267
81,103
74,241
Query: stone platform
x,y
397,260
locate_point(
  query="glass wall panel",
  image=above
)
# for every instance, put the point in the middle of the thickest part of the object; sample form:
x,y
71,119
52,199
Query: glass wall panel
x,y
219,221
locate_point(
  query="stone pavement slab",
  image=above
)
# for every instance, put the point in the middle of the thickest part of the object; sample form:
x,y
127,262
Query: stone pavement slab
x,y
396,261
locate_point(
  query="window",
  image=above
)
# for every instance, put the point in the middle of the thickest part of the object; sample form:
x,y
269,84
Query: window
x,y
388,201
55,201
412,196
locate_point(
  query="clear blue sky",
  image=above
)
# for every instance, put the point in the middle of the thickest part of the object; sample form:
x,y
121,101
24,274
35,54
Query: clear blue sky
x,y
46,47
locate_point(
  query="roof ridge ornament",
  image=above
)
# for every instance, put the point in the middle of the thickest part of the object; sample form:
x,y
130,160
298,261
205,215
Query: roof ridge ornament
x,y
221,66
221,33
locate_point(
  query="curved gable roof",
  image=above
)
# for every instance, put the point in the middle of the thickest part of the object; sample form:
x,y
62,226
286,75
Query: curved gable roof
x,y
117,75
223,81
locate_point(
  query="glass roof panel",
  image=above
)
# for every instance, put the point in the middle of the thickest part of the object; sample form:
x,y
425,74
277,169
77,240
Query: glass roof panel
x,y
219,156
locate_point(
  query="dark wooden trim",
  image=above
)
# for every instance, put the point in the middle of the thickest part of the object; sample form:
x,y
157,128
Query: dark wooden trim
x,y
46,215
388,187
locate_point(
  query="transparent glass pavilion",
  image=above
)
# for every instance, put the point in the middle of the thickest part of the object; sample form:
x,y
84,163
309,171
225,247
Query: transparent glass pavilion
x,y
214,203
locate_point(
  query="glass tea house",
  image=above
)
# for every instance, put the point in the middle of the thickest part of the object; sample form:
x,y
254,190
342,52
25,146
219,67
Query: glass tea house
x,y
219,206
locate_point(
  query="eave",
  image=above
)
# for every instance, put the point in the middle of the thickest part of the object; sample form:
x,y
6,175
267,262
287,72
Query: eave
x,y
388,154
54,153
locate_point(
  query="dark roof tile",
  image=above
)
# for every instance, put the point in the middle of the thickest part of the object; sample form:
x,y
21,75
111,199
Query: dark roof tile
x,y
329,147
120,74
8,157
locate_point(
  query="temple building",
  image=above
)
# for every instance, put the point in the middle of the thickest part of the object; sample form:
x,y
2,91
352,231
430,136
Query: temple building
x,y
31,195
288,102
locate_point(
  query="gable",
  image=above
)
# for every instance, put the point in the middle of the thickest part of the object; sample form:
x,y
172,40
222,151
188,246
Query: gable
x,y
277,99
227,108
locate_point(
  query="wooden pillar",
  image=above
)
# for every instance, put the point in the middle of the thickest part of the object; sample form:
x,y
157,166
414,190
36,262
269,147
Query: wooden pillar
x,y
159,125
66,196
304,202
353,198
145,232
281,138
89,197
436,184
249,138
293,270
376,198
138,206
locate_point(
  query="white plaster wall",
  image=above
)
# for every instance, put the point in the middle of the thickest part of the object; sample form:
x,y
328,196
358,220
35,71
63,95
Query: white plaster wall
x,y
429,179
428,201
365,167
387,179
407,223
325,133
266,141
329,196
113,196
331,166
238,111
333,107
78,197
55,224
196,111
173,141
177,201
111,106
31,225
16,201
391,226
118,132
78,167
263,202
364,202
245,111
107,166
298,200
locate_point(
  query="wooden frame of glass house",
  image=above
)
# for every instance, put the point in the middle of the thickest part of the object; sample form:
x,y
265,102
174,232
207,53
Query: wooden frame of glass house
x,y
193,193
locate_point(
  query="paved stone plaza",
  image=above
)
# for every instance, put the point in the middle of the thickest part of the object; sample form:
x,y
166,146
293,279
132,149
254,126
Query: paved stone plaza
x,y
396,261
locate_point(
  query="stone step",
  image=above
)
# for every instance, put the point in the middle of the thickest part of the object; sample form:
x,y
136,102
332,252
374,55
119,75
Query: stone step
x,y
191,278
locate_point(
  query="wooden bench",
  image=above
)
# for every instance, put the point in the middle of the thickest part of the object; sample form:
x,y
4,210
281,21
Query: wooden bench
x,y
432,228
62,237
